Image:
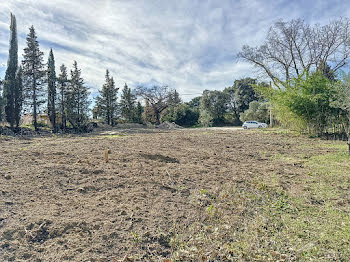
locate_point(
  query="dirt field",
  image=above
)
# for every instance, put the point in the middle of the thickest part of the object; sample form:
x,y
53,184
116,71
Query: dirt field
x,y
182,195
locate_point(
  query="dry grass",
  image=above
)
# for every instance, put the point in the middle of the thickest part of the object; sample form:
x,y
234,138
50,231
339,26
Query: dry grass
x,y
189,195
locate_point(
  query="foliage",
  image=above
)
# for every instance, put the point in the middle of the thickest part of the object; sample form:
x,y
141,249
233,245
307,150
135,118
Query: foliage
x,y
106,102
51,90
12,91
182,115
205,118
148,114
18,96
138,114
33,74
194,103
213,106
1,101
239,96
341,100
258,111
244,93
62,86
304,105
159,98
77,100
128,105
174,98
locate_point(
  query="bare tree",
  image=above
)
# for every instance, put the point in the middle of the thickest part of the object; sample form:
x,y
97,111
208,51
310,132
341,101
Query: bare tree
x,y
294,48
157,96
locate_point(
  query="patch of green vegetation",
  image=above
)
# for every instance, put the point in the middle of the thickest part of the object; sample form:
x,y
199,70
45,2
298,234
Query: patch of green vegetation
x,y
279,131
262,219
29,126
109,136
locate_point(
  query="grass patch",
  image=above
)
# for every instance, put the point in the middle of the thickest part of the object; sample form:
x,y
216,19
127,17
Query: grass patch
x,y
262,220
109,136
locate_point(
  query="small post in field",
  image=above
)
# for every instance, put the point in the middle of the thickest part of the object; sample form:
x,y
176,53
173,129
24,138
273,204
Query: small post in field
x,y
106,154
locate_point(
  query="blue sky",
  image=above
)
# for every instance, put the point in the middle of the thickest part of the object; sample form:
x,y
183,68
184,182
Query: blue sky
x,y
189,45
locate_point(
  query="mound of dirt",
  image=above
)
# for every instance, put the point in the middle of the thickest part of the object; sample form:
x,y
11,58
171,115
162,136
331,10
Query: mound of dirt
x,y
168,125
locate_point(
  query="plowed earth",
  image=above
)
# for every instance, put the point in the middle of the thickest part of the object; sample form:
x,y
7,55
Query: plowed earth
x,y
60,201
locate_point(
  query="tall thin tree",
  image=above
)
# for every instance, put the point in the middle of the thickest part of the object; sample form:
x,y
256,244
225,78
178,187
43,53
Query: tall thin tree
x,y
62,84
1,101
10,75
33,74
51,90
18,96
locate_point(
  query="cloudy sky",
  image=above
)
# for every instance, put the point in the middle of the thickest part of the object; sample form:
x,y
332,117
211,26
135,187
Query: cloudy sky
x,y
189,45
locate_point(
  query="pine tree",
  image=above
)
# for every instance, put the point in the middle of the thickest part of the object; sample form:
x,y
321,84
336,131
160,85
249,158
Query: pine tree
x,y
1,101
138,115
62,85
33,74
106,102
10,75
51,90
18,96
127,104
77,100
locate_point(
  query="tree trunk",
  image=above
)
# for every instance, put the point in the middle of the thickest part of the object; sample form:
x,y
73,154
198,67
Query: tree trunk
x,y
157,117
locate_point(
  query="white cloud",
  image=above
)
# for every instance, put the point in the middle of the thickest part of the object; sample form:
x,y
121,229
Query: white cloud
x,y
189,45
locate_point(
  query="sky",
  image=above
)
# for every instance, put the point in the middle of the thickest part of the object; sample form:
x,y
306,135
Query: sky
x,y
190,45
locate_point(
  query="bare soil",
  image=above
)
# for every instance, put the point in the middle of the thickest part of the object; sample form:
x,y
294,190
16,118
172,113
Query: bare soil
x,y
60,201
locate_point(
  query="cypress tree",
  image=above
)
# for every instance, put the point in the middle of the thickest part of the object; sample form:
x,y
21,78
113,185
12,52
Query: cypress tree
x,y
33,74
106,102
18,96
51,90
10,75
127,104
77,100
63,83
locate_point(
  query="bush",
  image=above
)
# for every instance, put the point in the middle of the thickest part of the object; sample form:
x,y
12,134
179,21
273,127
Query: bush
x,y
182,115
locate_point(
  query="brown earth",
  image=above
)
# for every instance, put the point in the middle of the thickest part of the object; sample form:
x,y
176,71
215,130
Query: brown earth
x,y
60,201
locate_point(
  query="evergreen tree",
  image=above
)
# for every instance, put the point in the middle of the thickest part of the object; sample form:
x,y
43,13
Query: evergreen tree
x,y
1,101
10,75
33,74
127,104
77,100
62,85
106,102
18,95
138,115
51,90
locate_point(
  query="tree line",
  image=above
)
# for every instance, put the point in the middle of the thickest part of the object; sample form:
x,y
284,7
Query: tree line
x,y
32,84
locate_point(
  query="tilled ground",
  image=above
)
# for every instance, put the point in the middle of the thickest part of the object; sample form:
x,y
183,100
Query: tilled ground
x,y
60,201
